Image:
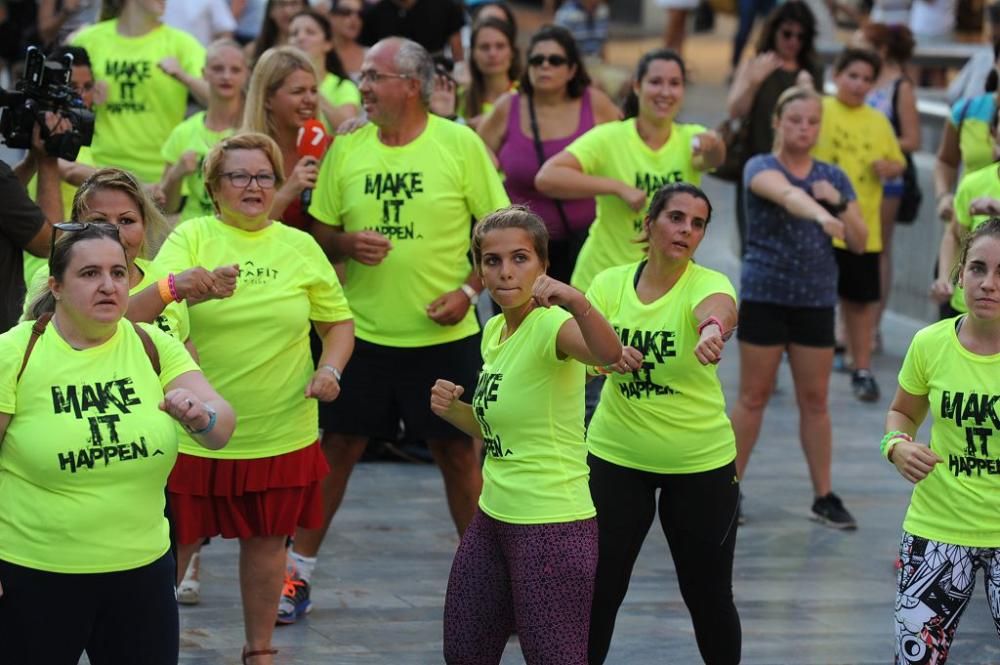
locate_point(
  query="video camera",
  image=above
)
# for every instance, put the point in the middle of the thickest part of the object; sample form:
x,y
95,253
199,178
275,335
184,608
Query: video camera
x,y
45,87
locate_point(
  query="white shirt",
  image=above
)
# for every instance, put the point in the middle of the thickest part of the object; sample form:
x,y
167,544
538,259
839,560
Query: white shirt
x,y
201,18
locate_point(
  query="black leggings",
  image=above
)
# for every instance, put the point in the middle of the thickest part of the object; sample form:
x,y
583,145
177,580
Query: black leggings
x,y
698,516
120,618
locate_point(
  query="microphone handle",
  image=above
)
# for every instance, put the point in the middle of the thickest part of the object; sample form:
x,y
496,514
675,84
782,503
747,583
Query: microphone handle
x,y
306,199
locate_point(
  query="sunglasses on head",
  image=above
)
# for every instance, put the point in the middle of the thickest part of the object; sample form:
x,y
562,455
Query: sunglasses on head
x,y
554,60
75,227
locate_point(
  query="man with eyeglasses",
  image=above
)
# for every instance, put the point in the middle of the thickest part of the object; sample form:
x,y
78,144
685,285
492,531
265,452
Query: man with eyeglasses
x,y
395,199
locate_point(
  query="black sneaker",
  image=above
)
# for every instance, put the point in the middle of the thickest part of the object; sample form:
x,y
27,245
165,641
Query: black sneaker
x,y
864,386
829,511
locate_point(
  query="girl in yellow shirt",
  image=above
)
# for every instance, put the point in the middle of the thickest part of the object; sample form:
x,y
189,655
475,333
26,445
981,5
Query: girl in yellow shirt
x,y
528,557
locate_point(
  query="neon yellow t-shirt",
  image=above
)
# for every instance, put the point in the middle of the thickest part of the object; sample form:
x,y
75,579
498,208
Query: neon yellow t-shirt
x,y
254,345
670,416
959,500
143,104
192,134
420,196
87,453
529,405
173,320
615,150
984,182
338,92
853,138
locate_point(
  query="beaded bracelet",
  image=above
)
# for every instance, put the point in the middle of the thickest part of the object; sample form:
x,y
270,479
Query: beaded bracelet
x,y
172,285
890,439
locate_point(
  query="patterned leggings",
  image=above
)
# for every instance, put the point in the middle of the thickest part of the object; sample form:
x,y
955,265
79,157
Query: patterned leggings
x,y
537,578
936,581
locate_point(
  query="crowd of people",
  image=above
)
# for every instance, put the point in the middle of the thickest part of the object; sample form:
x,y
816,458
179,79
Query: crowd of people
x,y
290,239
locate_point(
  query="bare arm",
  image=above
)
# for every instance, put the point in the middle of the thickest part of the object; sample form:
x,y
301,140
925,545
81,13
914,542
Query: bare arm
x,y
909,118
562,177
942,288
173,177
186,399
4,422
493,126
338,345
747,81
913,460
587,337
722,308
711,151
949,156
336,115
445,404
855,229
74,173
51,20
604,109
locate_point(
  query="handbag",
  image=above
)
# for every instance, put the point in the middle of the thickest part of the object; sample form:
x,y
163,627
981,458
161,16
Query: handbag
x,y
735,133
909,202
576,238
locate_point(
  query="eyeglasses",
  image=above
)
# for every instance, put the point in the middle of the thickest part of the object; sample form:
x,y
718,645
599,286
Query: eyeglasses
x,y
242,179
375,77
75,227
554,60
791,34
346,12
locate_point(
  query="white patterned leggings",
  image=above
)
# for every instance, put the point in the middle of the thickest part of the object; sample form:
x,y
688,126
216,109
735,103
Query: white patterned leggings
x,y
935,585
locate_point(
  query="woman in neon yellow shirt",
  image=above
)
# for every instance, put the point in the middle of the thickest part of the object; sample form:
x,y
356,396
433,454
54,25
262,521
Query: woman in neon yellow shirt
x,y
952,526
284,94
88,402
661,425
266,483
622,164
527,559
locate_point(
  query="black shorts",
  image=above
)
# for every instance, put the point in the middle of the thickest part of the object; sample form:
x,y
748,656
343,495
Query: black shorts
x,y
767,324
385,384
858,276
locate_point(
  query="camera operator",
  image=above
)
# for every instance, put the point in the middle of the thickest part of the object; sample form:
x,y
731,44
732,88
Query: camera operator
x,y
25,226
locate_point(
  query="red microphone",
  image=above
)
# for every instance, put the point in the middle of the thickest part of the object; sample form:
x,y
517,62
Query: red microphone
x,y
312,141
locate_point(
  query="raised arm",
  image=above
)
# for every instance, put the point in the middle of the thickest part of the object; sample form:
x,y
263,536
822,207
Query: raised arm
x,y
716,316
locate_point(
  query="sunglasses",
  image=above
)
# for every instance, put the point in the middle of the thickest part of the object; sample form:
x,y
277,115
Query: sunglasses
x,y
75,227
791,34
344,12
554,60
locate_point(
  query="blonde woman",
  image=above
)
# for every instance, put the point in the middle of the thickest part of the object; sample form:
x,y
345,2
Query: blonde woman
x,y
283,94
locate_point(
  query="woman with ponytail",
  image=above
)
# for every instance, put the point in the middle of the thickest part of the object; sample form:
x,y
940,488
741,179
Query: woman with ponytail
x,y
623,163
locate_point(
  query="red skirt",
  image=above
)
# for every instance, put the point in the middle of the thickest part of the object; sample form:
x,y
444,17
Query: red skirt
x,y
269,496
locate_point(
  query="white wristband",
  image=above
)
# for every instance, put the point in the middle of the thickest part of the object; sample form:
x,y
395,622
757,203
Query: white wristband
x,y
471,293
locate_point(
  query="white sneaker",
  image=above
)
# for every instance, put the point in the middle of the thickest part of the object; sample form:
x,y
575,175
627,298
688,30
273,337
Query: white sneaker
x,y
189,592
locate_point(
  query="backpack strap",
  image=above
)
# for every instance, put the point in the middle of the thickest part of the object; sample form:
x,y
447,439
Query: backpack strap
x,y
149,347
36,331
42,321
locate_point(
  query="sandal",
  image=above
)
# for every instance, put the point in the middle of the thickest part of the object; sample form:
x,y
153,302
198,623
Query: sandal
x,y
258,652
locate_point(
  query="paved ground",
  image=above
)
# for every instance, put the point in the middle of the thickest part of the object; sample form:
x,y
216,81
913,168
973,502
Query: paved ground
x,y
806,594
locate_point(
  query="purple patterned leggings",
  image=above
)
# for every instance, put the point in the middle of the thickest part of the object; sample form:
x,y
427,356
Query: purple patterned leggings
x,y
537,578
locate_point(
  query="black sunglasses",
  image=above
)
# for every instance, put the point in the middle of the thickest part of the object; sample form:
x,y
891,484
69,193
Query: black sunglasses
x,y
554,60
105,230
346,12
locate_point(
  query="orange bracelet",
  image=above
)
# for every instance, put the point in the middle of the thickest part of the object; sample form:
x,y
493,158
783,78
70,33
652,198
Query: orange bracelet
x,y
163,286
